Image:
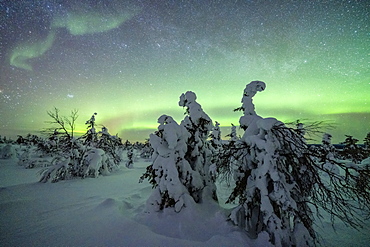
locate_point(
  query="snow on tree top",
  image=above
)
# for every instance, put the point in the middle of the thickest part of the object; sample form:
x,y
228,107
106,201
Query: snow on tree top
x,y
248,121
253,87
250,90
187,98
171,130
165,119
194,109
326,138
268,123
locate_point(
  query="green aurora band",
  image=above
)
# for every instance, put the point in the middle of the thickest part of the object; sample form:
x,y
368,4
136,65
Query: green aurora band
x,y
131,64
77,23
25,51
81,23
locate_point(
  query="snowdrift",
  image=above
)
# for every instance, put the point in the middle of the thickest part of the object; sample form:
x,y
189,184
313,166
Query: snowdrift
x,y
110,211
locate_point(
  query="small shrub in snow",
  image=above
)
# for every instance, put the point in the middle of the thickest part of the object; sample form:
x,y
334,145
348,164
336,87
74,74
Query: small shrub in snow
x,y
90,155
59,171
7,152
23,159
66,164
94,162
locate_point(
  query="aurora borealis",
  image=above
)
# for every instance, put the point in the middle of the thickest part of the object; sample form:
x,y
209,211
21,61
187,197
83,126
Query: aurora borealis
x,y
129,61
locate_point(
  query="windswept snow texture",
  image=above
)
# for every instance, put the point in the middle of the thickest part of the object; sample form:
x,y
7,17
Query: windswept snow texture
x,y
108,211
103,211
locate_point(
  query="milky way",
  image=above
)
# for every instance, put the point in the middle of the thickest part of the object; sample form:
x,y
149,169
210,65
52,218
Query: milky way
x,y
129,61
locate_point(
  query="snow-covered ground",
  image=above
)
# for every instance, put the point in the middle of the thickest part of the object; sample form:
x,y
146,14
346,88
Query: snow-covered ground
x,y
109,211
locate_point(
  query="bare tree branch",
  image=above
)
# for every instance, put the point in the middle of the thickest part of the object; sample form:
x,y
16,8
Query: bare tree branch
x,y
64,125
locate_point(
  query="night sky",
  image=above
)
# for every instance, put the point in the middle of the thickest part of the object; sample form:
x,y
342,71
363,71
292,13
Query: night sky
x,y
129,61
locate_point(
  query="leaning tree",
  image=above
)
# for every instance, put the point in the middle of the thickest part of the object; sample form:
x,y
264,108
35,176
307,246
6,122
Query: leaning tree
x,y
279,184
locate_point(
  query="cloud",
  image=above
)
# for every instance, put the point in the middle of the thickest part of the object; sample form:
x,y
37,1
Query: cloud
x,y
23,52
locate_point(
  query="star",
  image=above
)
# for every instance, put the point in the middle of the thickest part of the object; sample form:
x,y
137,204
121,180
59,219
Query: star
x,y
133,59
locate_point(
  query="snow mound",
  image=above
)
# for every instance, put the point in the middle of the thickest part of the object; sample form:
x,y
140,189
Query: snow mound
x,y
204,223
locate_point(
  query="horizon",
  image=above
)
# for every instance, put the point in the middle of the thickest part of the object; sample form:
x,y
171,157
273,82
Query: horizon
x,y
129,61
314,139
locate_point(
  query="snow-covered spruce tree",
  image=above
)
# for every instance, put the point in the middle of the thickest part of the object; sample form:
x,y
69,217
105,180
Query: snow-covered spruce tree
x,y
199,150
147,151
215,136
228,163
216,149
130,157
170,173
328,153
91,136
367,146
233,137
367,141
111,144
50,145
127,144
279,178
100,150
267,191
352,151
